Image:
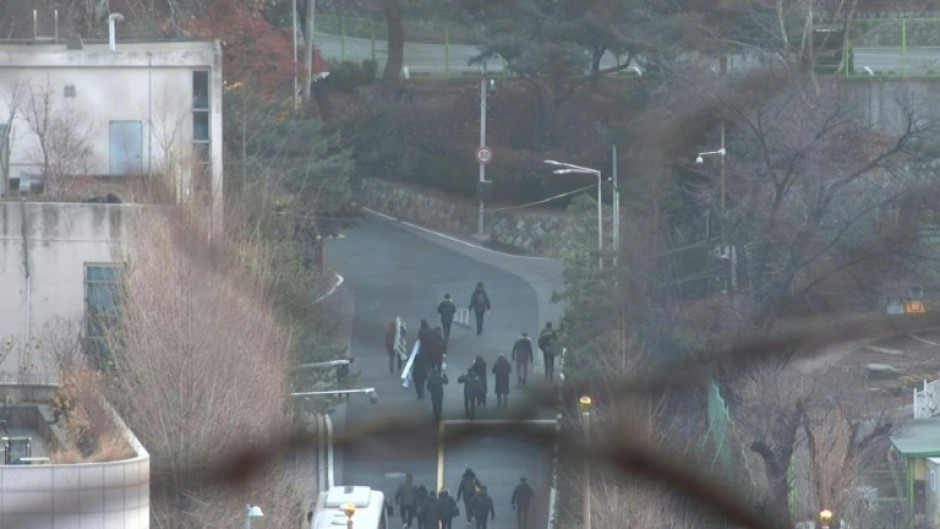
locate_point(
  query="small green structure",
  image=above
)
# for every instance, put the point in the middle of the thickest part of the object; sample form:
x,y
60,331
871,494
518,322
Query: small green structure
x,y
918,444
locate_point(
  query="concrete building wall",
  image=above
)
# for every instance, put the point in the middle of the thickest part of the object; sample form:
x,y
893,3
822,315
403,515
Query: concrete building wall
x,y
107,495
90,91
44,248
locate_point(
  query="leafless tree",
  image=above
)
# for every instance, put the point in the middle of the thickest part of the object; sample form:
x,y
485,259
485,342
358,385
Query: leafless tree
x,y
62,134
198,339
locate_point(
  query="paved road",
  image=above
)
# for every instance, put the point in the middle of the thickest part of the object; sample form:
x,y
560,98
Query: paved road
x,y
392,271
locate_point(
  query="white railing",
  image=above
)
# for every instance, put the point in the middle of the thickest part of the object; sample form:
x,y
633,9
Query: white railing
x,y
927,401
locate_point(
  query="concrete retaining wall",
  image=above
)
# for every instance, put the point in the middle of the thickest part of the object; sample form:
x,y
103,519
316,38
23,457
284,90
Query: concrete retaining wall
x,y
524,229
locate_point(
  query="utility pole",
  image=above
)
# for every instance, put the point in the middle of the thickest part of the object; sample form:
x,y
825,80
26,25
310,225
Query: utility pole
x,y
293,26
616,208
308,49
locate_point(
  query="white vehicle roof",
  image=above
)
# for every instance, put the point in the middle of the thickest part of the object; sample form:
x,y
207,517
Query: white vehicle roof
x,y
370,505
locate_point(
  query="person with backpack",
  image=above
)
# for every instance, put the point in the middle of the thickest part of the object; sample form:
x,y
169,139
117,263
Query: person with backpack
x,y
467,490
479,367
501,370
436,381
471,387
446,308
547,339
482,508
479,304
522,355
521,498
447,508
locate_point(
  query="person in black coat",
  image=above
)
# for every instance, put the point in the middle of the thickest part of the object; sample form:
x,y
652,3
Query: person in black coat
x,y
521,498
433,345
471,389
501,371
479,367
446,308
432,512
436,381
482,508
421,505
479,304
467,490
419,372
447,508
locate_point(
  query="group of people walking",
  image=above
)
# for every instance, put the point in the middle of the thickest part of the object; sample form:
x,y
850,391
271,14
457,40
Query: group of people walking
x,y
428,368
437,510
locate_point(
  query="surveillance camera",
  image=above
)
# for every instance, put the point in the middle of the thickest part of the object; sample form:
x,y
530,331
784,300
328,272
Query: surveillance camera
x,y
373,397
699,159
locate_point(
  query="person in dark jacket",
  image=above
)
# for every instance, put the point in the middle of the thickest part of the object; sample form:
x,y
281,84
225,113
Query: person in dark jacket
x,y
521,497
446,308
424,332
421,504
467,490
501,370
447,508
479,367
471,389
390,347
434,347
419,372
436,381
522,355
432,512
547,339
479,304
405,499
482,508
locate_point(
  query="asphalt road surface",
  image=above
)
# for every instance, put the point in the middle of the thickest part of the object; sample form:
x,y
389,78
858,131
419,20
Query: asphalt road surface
x,y
395,272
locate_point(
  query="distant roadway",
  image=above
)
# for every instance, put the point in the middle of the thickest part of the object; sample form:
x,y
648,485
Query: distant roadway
x,y
397,271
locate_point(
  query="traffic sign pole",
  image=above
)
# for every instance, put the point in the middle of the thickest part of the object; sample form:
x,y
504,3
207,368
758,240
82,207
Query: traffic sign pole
x,y
480,233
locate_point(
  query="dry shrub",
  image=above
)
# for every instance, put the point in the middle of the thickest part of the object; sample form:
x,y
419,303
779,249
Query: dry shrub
x,y
69,455
112,447
199,366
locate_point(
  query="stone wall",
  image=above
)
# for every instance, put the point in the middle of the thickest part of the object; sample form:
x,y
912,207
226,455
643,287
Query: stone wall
x,y
523,229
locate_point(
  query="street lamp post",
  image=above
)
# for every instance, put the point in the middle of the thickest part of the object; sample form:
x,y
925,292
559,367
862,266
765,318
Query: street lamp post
x,y
571,168
721,152
251,511
585,404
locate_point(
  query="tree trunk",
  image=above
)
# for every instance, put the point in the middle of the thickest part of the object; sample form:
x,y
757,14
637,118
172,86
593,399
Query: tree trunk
x,y
396,46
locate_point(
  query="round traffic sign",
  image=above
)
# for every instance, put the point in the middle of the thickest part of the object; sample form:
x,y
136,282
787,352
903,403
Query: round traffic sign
x,y
484,154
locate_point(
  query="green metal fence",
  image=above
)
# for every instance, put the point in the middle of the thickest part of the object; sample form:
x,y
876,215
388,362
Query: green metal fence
x,y
892,47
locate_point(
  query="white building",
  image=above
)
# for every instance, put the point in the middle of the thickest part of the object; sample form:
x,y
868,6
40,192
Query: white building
x,y
73,110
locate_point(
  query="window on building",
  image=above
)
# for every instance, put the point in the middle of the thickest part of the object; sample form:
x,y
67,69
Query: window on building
x,y
200,90
101,308
201,134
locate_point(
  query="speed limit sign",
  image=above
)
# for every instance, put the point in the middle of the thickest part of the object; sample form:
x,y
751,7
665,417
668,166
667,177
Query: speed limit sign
x,y
484,154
